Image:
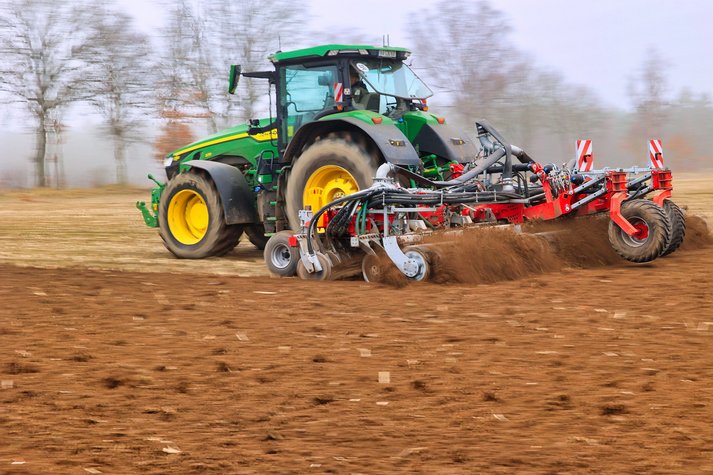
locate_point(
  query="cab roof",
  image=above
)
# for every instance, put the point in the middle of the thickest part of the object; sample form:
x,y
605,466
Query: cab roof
x,y
336,49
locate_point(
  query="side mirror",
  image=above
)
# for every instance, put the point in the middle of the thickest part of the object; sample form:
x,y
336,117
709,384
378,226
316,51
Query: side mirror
x,y
324,79
235,70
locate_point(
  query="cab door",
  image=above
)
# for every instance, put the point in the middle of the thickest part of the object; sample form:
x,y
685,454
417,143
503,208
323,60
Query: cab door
x,y
307,91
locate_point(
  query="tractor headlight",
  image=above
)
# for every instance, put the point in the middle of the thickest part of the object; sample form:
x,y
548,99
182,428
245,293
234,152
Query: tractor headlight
x,y
168,161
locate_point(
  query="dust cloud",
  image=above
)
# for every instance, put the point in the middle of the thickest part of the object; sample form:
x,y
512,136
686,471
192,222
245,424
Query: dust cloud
x,y
488,255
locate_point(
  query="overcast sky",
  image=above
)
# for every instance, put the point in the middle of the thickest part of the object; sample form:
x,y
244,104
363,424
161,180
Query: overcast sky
x,y
598,43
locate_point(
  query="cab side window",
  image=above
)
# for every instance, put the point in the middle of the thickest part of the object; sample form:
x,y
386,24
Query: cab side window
x,y
307,92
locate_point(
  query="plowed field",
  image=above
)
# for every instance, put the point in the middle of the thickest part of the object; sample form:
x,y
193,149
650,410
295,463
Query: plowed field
x,y
117,358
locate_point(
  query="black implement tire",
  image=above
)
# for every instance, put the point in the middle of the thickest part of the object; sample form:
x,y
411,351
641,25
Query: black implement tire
x,y
678,226
256,235
337,153
656,229
324,274
281,259
191,219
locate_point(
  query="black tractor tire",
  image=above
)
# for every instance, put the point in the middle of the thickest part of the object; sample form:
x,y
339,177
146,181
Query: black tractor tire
x,y
338,151
230,241
256,235
678,226
281,259
653,219
191,205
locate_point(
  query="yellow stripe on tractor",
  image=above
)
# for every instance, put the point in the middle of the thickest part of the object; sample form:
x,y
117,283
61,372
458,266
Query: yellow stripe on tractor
x,y
261,137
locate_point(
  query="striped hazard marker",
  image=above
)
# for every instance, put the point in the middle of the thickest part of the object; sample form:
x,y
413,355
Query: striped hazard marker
x,y
656,153
585,159
338,92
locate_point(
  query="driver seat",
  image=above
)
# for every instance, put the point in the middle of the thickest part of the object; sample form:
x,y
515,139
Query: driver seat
x,y
368,101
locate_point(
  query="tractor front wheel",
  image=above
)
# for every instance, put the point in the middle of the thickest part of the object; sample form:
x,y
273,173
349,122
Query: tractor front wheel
x,y
329,169
191,219
653,231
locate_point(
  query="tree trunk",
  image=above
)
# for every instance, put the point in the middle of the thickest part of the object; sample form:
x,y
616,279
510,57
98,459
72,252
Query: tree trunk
x,y
120,158
212,123
40,171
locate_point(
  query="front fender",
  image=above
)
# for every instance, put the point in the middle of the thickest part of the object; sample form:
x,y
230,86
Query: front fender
x,y
391,142
236,195
447,142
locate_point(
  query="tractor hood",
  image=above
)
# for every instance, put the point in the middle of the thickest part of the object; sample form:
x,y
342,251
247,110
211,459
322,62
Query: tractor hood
x,y
236,132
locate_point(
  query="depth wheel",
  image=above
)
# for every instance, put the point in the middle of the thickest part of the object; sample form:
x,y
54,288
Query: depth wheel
x,y
652,236
191,219
423,261
324,274
372,268
329,169
678,226
280,258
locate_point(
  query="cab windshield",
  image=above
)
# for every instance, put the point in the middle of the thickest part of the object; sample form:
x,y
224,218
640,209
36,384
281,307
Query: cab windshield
x,y
391,78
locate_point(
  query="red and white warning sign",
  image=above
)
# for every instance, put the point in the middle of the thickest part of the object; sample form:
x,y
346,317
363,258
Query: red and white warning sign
x,y
585,159
338,92
656,153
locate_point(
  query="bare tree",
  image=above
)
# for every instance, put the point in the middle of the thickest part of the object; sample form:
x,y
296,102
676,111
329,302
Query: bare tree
x,y
214,35
178,97
41,49
472,56
122,81
648,91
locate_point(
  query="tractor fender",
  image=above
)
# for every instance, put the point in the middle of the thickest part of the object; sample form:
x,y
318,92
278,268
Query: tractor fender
x,y
445,141
236,195
391,142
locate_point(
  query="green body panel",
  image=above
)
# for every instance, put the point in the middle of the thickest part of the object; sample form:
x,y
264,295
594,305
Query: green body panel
x,y
151,216
323,50
234,141
413,121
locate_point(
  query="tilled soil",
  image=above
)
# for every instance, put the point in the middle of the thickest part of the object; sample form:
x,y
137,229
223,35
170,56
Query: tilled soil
x,y
604,370
520,364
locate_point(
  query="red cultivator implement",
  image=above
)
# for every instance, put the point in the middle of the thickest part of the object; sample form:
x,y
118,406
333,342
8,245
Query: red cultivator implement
x,y
401,208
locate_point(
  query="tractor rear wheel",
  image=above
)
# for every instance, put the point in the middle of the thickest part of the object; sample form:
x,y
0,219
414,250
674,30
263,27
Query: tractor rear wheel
x,y
191,219
653,231
327,170
678,226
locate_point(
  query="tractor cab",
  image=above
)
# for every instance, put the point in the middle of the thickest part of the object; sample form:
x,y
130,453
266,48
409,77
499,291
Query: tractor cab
x,y
317,82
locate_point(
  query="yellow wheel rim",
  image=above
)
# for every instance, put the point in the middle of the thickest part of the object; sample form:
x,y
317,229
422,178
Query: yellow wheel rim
x,y
187,217
327,184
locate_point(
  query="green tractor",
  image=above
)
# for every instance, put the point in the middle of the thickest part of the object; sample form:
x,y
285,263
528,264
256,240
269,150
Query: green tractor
x,y
340,112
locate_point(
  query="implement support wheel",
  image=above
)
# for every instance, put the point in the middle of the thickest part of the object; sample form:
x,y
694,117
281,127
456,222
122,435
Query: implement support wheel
x,y
652,236
678,226
280,258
